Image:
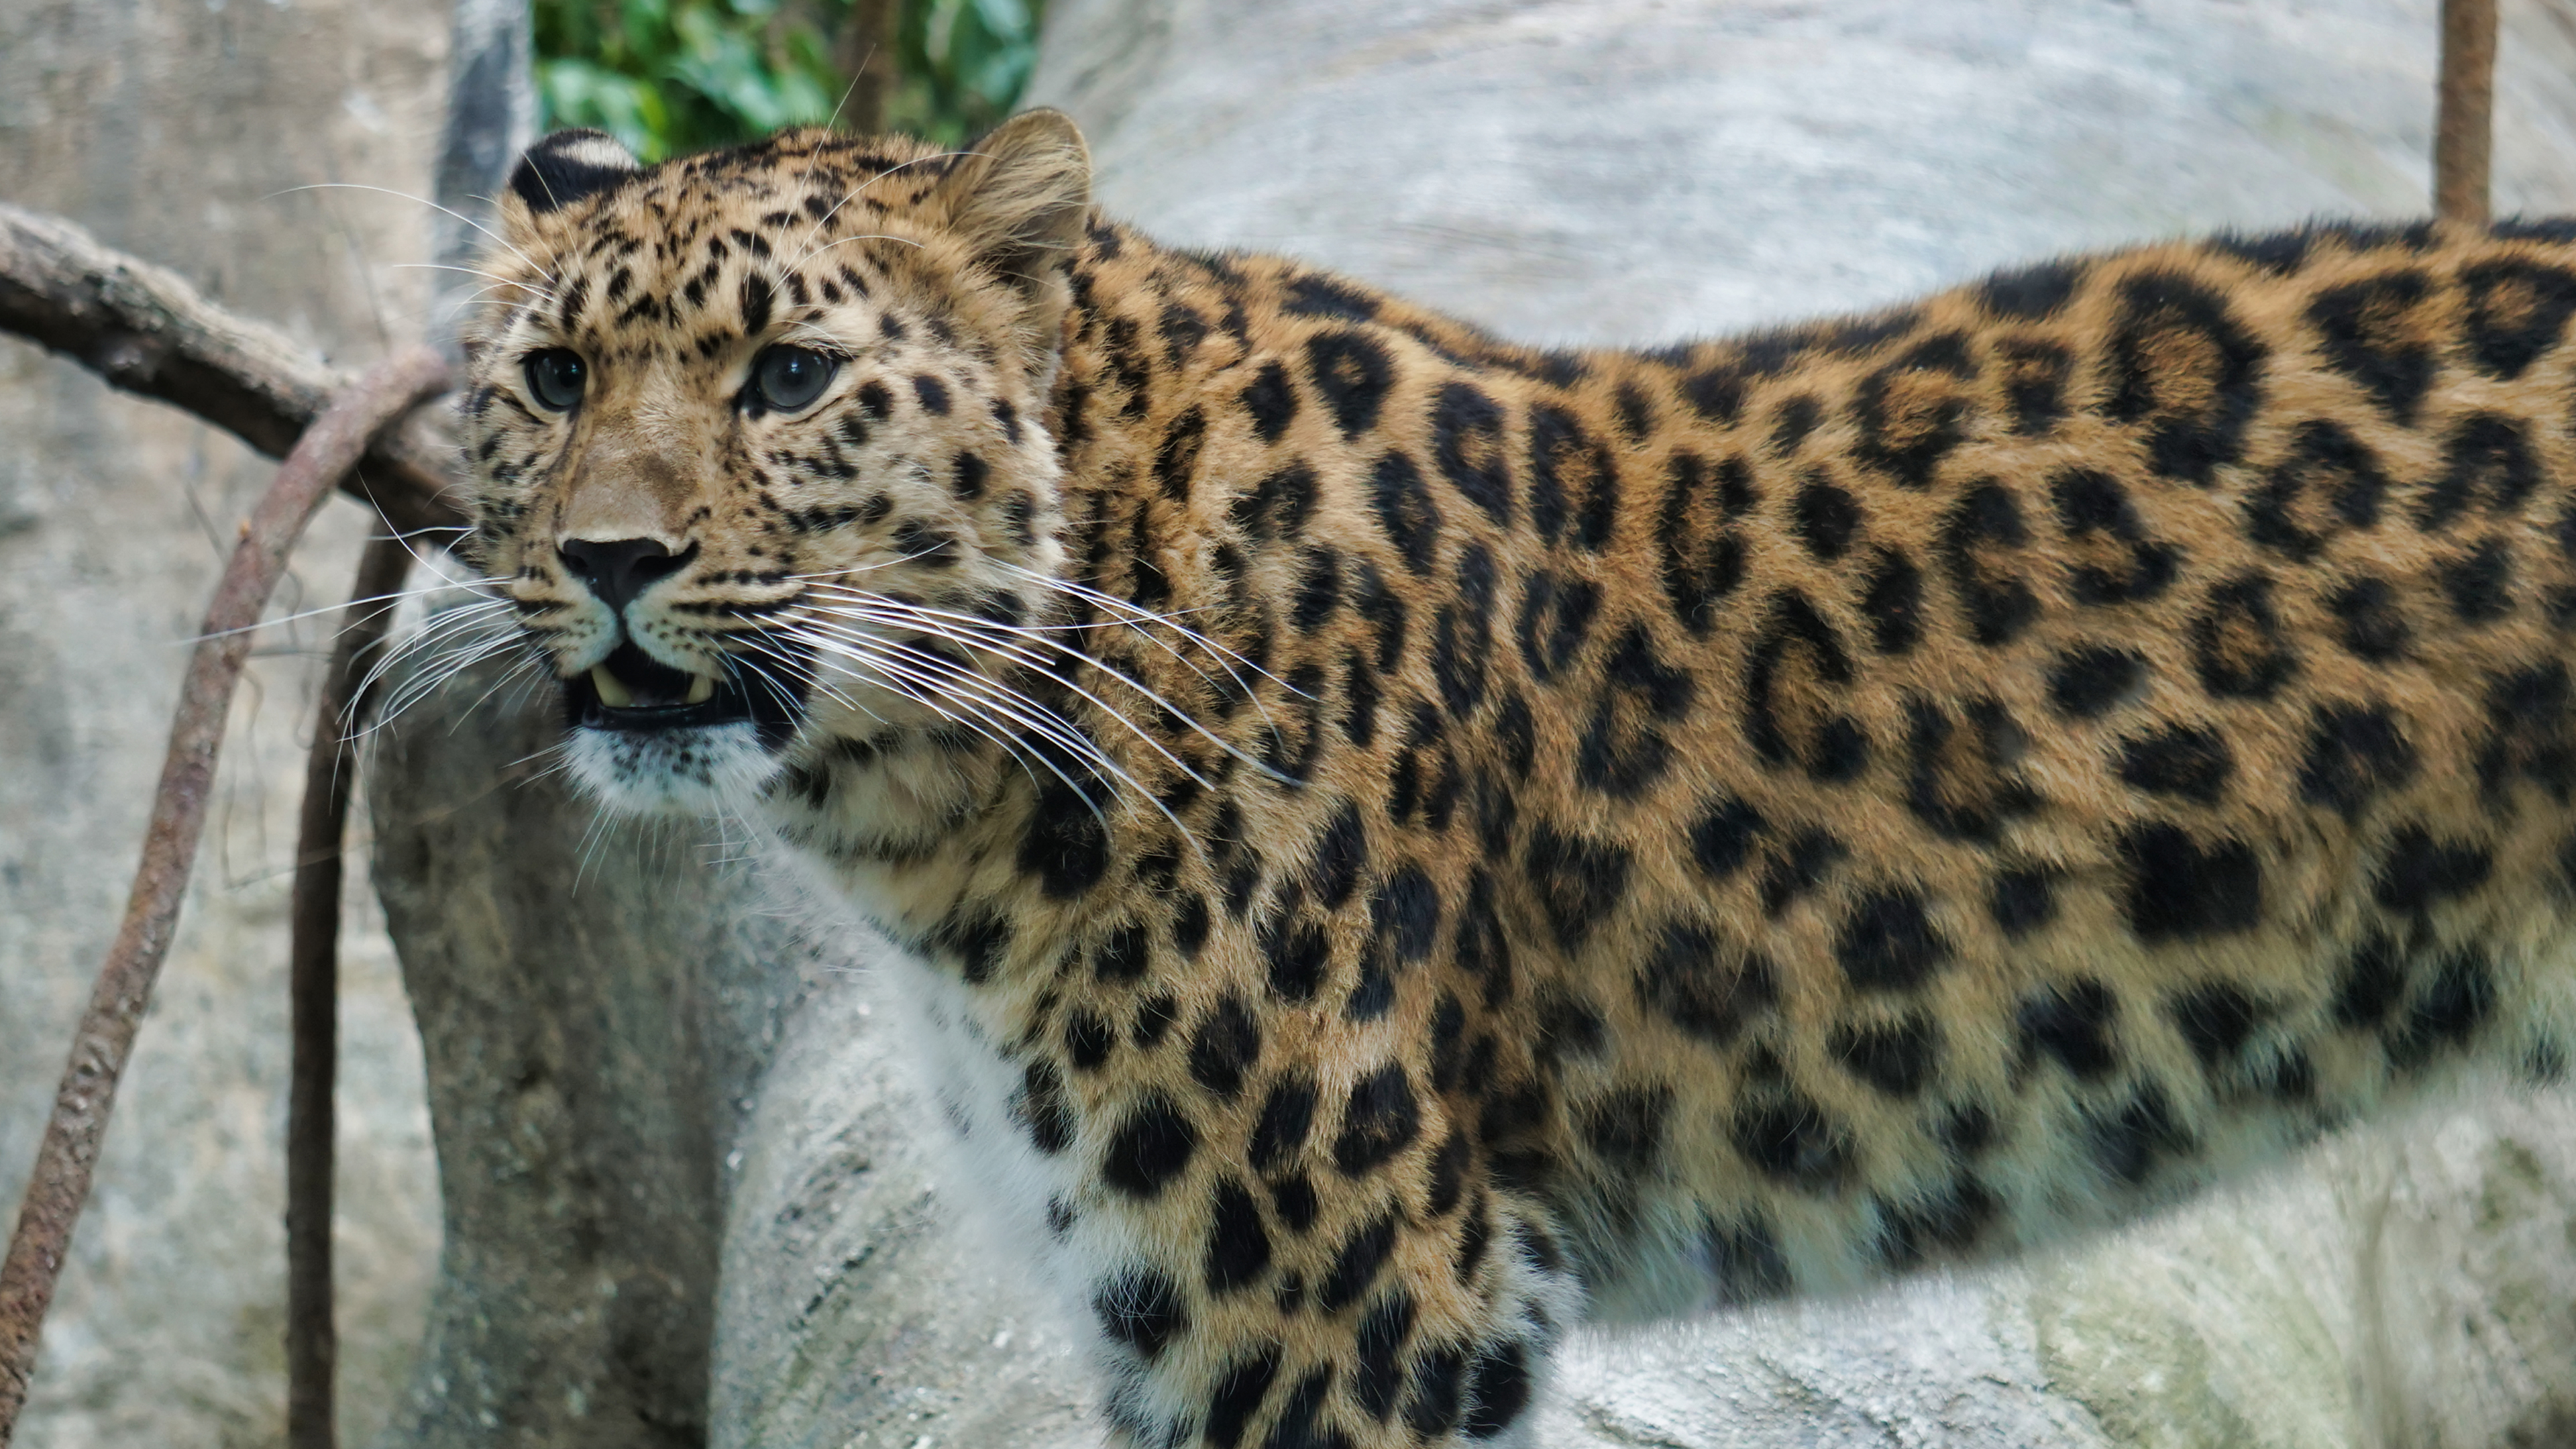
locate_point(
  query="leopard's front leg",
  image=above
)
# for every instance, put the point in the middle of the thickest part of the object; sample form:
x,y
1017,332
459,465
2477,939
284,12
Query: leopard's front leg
x,y
1304,1262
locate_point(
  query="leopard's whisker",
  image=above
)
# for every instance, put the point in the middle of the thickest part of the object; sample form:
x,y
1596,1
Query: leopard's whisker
x,y
483,297
975,632
987,635
475,584
916,666
438,631
558,747
1136,620
932,627
433,677
457,650
594,840
1002,699
526,663
495,278
845,241
979,622
814,155
865,596
834,573
932,694
759,643
1018,753
497,239
562,765
756,642
1137,616
1260,706
434,642
396,597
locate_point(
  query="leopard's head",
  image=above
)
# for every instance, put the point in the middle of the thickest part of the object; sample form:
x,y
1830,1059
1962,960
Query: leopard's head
x,y
758,439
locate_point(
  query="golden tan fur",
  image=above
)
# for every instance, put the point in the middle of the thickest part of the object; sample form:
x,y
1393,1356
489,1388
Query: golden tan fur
x,y
1576,833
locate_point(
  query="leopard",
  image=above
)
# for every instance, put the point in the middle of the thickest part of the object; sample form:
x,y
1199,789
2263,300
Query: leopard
x,y
1401,843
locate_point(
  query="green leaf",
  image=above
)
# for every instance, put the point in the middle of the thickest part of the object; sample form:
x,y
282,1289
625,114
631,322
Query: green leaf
x,y
1006,20
667,76
576,93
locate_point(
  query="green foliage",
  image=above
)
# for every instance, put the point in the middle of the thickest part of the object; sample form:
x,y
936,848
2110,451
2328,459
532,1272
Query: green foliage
x,y
671,76
964,63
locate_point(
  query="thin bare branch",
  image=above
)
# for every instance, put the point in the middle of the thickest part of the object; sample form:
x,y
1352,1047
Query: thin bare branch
x,y
59,1185
146,330
2464,130
330,772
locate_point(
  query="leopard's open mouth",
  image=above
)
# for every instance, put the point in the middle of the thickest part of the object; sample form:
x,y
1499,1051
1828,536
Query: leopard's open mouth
x,y
632,692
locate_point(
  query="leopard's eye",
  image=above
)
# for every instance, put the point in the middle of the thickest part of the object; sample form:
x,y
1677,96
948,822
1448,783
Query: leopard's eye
x,y
555,378
785,379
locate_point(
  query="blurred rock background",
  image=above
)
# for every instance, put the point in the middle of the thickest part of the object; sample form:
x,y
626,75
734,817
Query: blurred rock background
x,y
706,1165
181,130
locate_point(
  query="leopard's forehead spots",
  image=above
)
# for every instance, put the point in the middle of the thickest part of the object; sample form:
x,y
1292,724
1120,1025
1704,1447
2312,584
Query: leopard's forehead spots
x,y
694,255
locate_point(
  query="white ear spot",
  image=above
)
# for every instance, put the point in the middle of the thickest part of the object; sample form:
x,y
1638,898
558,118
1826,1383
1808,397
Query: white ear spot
x,y
565,167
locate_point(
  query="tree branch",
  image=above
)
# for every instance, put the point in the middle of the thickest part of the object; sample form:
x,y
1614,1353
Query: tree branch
x,y
146,330
59,1184
330,772
2464,124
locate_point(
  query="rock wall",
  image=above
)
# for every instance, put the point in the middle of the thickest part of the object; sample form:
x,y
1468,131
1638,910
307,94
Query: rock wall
x,y
176,129
1636,171
691,1195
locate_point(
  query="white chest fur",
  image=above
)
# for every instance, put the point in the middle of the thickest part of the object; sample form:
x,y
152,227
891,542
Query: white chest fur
x,y
1026,1203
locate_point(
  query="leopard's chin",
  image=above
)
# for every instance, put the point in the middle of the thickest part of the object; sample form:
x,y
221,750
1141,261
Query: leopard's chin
x,y
693,770
649,739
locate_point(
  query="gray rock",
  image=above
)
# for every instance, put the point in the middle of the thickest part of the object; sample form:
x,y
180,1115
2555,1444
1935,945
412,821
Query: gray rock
x,y
670,1106
855,1304
582,1089
1636,171
176,129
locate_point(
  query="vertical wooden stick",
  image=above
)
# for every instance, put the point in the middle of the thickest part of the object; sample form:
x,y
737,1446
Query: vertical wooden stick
x,y
2464,129
68,1154
330,770
865,51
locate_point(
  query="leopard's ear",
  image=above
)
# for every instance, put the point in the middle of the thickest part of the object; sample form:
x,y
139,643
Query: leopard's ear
x,y
561,169
1019,197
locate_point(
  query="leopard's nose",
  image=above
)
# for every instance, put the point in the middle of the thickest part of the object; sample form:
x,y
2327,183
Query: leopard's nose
x,y
619,569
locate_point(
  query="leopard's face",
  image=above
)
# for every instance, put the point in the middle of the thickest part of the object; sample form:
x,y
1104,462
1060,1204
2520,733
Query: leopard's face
x,y
758,443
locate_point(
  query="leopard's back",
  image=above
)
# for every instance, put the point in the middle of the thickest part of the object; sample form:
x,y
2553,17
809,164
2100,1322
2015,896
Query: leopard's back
x,y
1894,788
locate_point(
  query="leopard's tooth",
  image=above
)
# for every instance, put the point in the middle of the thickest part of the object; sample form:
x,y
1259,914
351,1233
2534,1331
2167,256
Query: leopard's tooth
x,y
701,688
612,690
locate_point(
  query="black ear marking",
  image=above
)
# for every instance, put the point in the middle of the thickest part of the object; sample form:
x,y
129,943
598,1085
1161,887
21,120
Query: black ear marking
x,y
566,166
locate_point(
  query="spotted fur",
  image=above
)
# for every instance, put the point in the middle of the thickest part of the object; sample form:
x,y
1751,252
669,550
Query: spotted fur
x,y
1405,841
